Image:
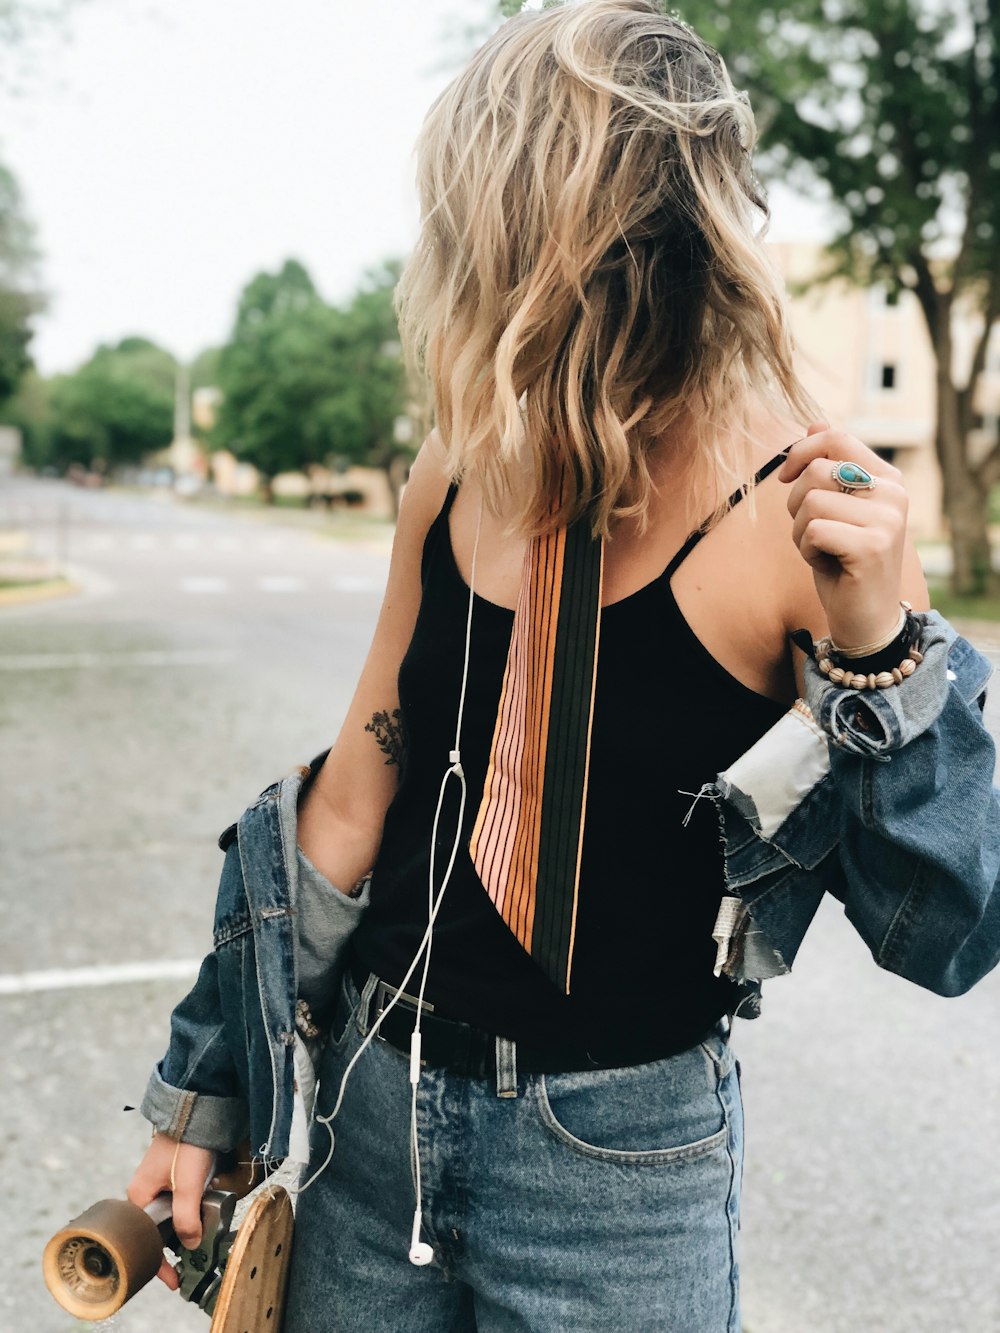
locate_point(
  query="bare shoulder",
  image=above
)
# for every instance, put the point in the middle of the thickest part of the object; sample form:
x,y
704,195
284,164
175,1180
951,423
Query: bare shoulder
x,y
425,489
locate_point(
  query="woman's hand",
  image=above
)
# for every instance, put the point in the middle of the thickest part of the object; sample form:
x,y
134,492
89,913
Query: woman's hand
x,y
853,542
190,1167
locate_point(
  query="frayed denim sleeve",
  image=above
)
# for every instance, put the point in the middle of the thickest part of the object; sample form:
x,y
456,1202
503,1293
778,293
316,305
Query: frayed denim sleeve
x,y
920,831
877,722
194,1094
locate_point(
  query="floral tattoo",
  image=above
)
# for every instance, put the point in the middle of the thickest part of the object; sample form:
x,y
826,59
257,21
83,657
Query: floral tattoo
x,y
387,728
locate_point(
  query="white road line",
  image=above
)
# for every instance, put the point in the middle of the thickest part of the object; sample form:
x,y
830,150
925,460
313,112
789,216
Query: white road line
x,y
142,542
271,544
76,978
353,583
279,583
100,542
227,543
200,585
152,658
185,541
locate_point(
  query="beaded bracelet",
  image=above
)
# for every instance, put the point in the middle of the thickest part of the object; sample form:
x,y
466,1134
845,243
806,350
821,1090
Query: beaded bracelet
x,y
843,670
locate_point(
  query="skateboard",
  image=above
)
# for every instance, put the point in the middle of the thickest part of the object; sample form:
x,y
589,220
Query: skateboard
x,y
97,1262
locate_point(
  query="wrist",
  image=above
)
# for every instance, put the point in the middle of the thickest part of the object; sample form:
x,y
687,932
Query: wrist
x,y
874,665
854,649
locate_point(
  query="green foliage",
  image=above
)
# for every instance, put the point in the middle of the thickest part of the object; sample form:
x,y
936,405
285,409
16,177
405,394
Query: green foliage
x,y
116,408
305,382
891,108
19,300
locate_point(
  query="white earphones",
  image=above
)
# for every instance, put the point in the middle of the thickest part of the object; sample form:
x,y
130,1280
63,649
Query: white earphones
x,y
420,1252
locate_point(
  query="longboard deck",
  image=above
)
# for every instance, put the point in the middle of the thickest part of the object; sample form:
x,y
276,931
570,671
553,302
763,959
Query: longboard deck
x,y
252,1294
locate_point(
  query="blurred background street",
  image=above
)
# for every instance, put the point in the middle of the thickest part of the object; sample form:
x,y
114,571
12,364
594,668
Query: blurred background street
x,y
206,656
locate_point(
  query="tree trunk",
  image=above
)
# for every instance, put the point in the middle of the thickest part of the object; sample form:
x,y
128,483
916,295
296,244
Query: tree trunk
x,y
972,573
965,498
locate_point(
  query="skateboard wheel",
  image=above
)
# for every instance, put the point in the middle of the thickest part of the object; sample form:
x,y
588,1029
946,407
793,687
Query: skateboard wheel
x,y
102,1258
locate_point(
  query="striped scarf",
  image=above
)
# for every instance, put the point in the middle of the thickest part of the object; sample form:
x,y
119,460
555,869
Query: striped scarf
x,y
528,836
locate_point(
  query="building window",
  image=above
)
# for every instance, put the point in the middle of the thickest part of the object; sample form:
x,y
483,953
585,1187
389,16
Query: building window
x,y
888,380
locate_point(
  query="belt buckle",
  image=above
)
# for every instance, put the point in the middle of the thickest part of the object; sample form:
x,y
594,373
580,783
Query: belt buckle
x,y
383,993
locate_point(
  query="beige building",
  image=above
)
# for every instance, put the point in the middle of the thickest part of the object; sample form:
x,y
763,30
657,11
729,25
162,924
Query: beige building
x,y
870,366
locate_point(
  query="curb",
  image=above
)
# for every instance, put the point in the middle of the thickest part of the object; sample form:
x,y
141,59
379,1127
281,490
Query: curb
x,y
38,592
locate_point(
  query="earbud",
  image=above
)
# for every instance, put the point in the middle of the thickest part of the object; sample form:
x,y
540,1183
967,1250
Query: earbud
x,y
420,1252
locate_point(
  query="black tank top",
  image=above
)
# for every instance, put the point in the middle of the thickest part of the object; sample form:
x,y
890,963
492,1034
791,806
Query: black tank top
x,y
667,718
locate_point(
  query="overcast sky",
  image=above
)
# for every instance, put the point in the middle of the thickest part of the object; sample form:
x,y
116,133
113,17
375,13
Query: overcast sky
x,y
170,149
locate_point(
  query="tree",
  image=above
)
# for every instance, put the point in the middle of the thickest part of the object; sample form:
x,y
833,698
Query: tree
x,y
368,382
272,374
304,382
19,299
116,408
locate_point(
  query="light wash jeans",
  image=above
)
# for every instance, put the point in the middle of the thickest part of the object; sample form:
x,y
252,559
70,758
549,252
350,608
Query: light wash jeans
x,y
605,1200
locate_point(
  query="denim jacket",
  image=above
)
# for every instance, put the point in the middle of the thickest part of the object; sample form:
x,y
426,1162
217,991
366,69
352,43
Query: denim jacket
x,y
883,798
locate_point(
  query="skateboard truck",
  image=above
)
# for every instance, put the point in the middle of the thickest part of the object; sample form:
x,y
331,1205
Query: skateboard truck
x,y
200,1270
102,1258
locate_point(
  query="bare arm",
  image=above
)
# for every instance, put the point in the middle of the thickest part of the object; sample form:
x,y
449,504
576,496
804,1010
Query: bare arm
x,y
877,530
342,814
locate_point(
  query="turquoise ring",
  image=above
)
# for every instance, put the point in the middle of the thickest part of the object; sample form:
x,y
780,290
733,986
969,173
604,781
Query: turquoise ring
x,y
853,477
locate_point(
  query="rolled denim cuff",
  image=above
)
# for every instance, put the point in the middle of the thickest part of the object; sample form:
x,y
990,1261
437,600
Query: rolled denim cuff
x,y
876,722
219,1123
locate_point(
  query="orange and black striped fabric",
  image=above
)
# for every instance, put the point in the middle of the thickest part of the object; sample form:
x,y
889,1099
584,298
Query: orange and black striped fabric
x,y
528,835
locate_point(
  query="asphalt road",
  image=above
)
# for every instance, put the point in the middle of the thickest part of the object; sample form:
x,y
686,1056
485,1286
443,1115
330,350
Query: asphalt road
x,y
207,655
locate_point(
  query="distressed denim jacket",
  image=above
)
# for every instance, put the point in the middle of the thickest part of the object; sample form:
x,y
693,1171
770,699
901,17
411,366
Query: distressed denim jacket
x,y
883,798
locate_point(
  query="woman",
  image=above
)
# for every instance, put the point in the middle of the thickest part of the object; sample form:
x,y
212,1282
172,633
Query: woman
x,y
558,673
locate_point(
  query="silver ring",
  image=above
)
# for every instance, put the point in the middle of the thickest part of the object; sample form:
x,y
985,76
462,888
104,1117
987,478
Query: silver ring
x,y
853,477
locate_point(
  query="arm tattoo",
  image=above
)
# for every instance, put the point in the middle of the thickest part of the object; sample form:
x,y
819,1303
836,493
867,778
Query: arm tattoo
x,y
387,728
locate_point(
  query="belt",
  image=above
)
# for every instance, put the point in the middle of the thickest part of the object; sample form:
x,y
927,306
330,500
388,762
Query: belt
x,y
461,1048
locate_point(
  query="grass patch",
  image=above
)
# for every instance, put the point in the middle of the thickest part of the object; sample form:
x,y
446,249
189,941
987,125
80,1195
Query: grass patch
x,y
953,607
14,592
30,583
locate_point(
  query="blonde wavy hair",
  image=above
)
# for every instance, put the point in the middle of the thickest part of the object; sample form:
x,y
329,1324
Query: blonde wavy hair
x,y
588,284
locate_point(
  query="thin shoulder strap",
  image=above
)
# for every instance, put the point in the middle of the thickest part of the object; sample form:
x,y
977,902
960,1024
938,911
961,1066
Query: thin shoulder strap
x,y
692,541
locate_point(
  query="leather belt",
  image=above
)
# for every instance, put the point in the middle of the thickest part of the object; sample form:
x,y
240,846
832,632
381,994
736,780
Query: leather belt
x,y
462,1049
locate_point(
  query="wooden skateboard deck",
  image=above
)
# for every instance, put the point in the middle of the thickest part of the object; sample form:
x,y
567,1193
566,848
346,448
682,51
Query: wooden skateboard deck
x,y
252,1295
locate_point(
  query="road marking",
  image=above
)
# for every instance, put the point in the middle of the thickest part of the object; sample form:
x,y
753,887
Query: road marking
x,y
76,978
101,542
280,583
353,583
227,543
152,658
201,585
142,542
185,541
271,544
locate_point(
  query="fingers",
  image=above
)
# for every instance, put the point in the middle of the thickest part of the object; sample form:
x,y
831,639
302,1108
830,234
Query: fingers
x,y
816,479
190,1169
856,549
152,1175
856,511
183,1167
167,1274
834,445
